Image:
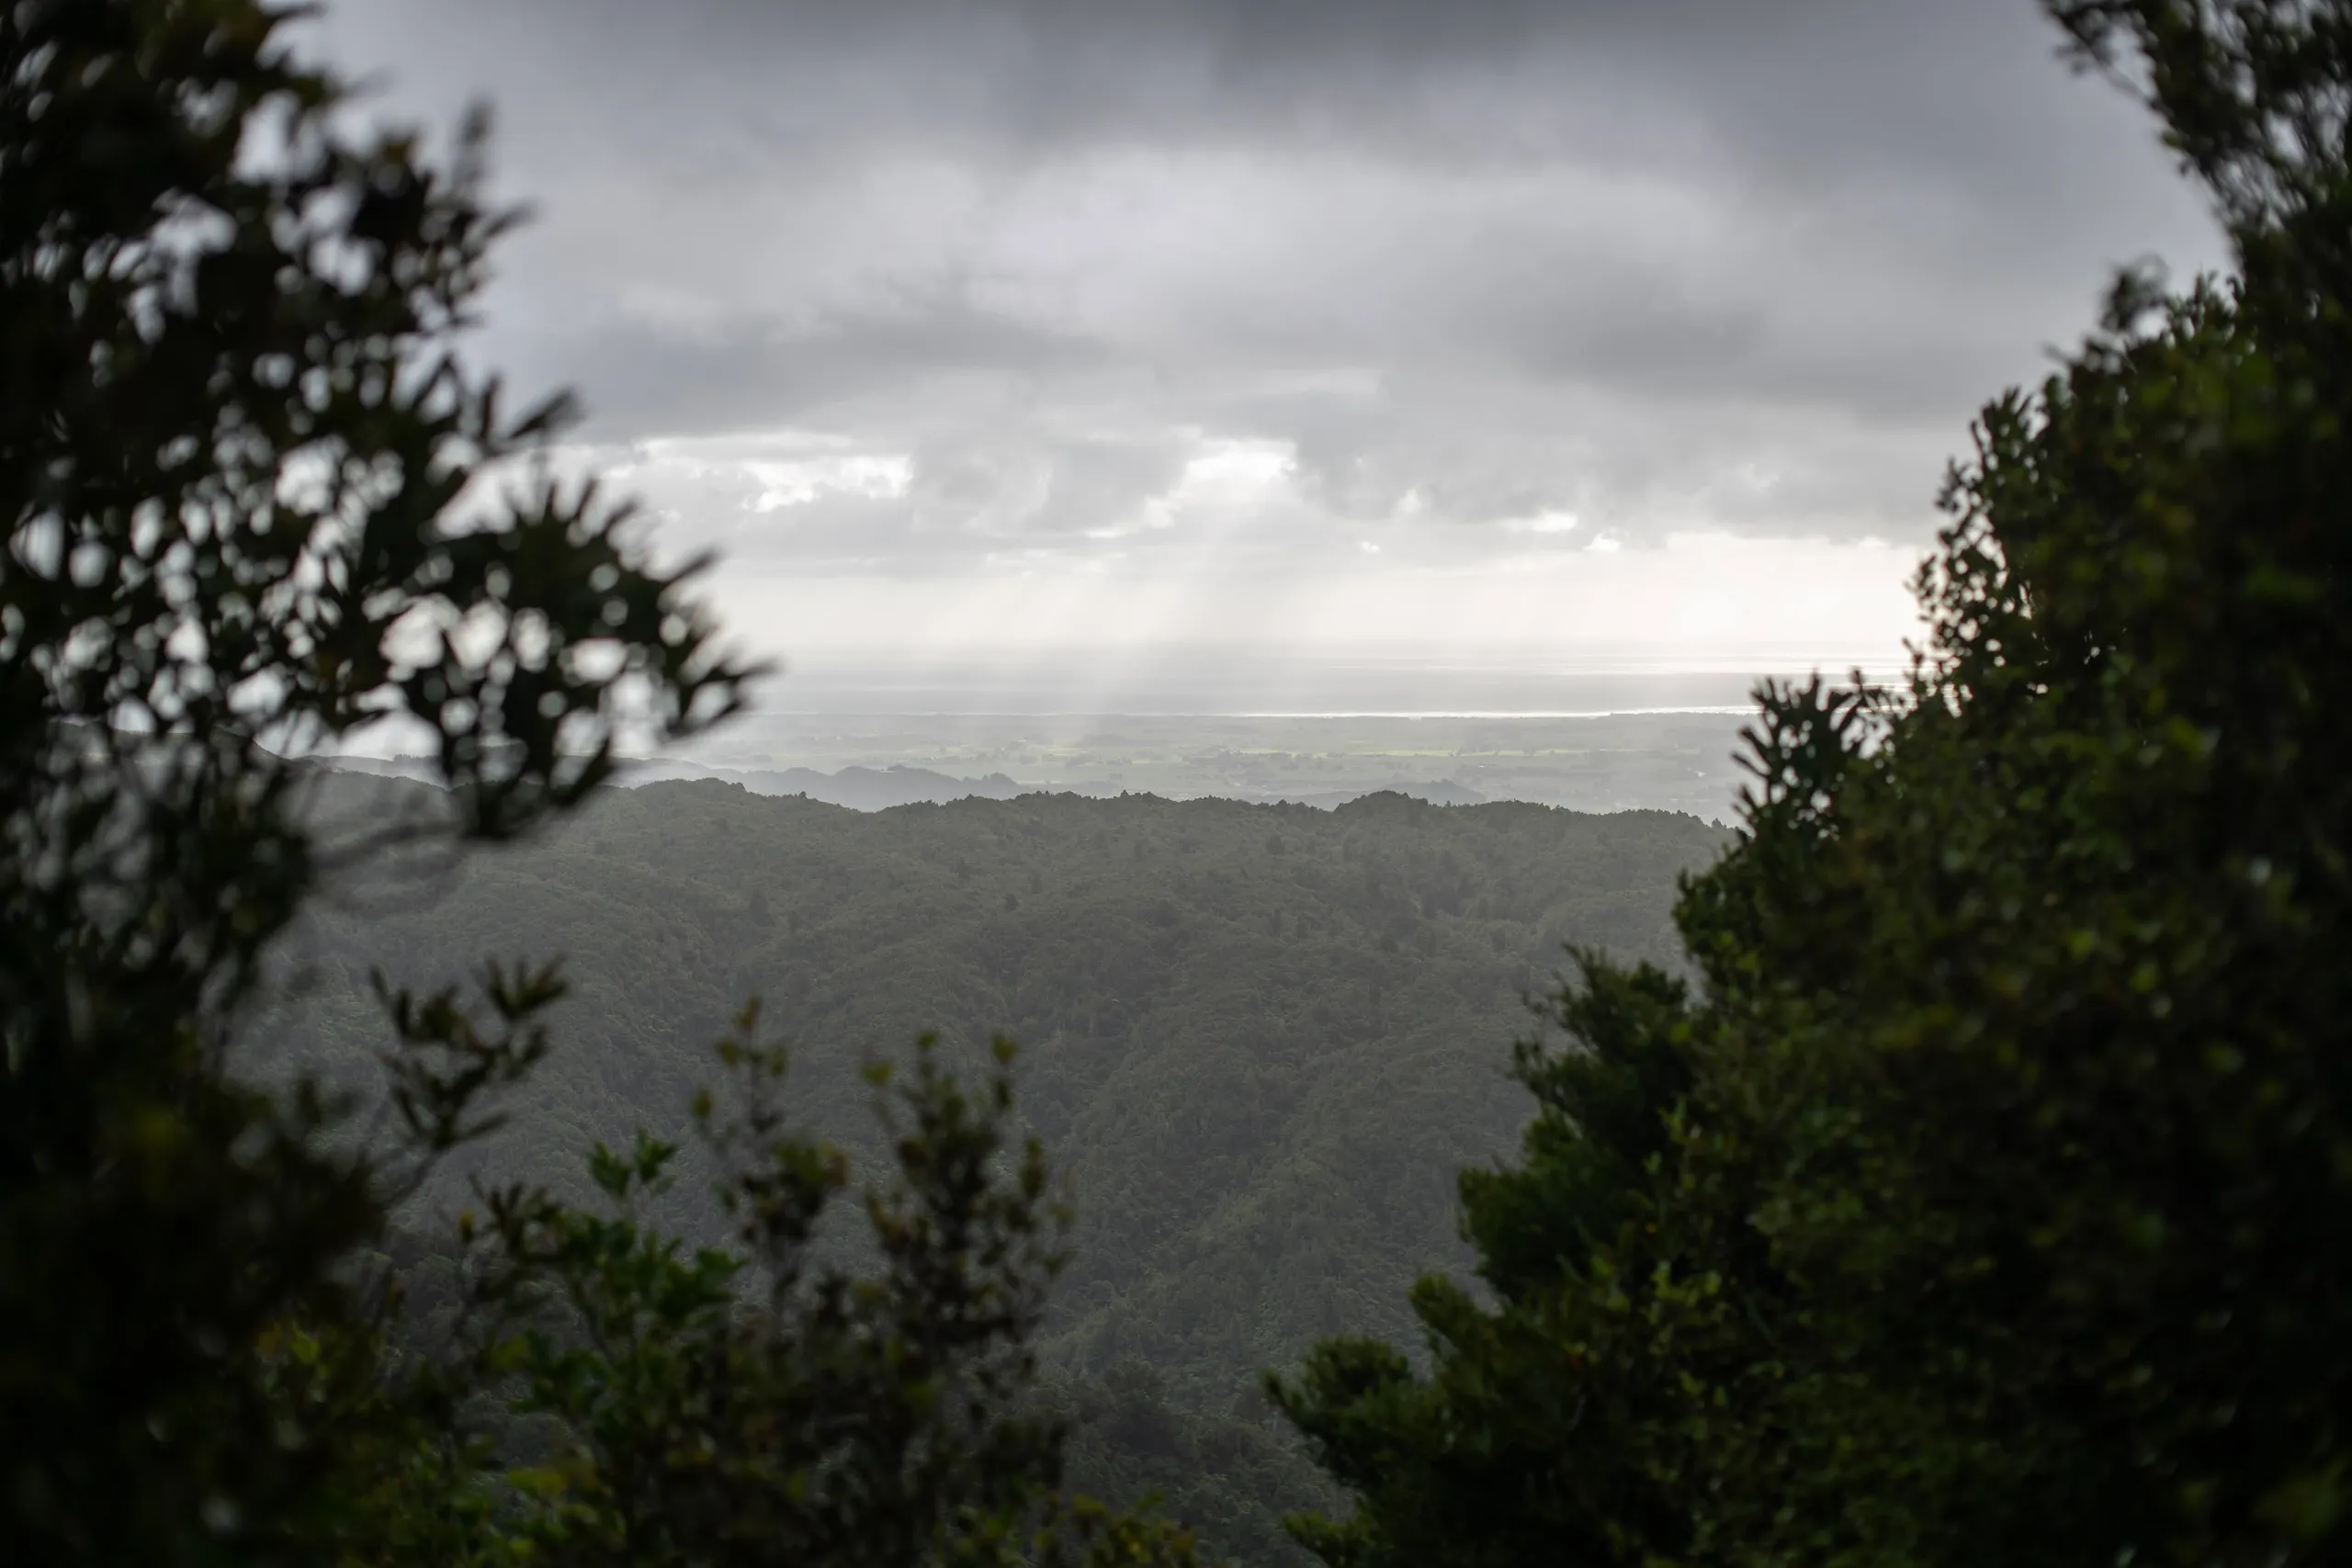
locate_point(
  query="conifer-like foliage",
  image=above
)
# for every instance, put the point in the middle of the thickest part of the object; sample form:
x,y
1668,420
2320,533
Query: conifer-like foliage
x,y
1985,1200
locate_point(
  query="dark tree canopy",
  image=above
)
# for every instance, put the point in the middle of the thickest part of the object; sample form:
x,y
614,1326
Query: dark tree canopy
x,y
1984,1201
252,502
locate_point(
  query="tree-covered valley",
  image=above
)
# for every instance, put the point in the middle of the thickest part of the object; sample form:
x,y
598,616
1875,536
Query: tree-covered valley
x,y
1257,1039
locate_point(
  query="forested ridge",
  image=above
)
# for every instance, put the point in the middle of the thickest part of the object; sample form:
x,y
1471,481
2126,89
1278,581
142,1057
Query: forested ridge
x,y
1259,1039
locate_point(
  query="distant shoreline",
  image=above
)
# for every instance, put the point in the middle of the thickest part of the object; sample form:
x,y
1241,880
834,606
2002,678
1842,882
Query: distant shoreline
x,y
1105,714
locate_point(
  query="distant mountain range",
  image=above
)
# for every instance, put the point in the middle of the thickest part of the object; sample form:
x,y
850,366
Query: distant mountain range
x,y
879,789
859,789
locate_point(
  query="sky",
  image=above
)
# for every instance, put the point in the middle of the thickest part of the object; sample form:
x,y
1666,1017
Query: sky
x,y
1485,325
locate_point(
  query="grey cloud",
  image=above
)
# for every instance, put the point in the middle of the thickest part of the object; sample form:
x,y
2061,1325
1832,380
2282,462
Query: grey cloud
x,y
1911,88
1649,261
748,370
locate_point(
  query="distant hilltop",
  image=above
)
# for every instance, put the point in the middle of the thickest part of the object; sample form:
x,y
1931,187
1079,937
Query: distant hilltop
x,y
879,789
859,789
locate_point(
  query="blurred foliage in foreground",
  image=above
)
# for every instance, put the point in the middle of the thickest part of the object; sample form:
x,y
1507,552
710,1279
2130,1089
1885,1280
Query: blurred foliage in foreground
x,y
1985,1200
254,502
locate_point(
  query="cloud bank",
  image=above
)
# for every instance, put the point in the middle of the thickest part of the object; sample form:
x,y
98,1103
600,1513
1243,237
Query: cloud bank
x,y
1421,311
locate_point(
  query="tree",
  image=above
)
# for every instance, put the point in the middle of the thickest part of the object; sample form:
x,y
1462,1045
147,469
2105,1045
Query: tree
x,y
788,1397
1984,1201
249,493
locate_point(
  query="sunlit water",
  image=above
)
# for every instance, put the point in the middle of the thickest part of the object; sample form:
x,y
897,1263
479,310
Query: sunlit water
x,y
1233,682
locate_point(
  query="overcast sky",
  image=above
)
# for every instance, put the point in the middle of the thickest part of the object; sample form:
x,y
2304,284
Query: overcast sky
x,y
1422,323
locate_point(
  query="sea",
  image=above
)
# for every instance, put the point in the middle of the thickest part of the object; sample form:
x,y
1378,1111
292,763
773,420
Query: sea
x,y
1621,727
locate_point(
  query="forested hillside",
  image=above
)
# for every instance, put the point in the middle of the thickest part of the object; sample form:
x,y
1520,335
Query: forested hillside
x,y
1259,1039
